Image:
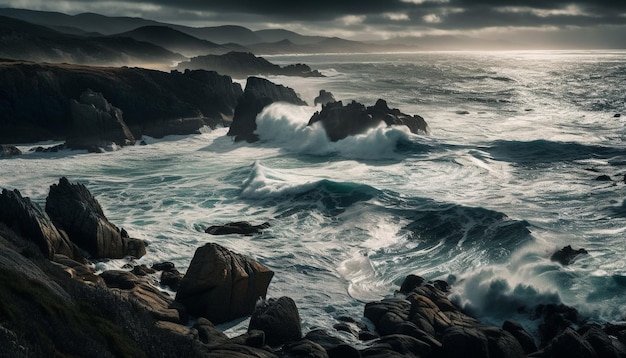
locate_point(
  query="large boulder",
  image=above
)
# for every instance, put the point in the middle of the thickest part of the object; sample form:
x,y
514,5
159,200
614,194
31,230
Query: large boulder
x,y
73,208
258,94
279,319
341,121
29,220
221,285
96,123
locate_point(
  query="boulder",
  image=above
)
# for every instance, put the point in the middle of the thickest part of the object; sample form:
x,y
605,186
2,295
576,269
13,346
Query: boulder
x,y
324,98
222,285
465,342
569,344
258,94
279,319
29,220
96,123
171,278
240,227
73,208
341,121
567,255
9,151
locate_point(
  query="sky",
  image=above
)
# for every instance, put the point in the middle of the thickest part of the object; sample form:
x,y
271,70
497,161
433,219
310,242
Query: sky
x,y
582,22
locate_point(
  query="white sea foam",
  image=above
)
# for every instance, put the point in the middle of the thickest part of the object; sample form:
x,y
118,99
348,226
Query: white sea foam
x,y
286,126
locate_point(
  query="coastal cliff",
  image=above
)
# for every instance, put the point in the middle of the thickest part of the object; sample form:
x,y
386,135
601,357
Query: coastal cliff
x,y
35,99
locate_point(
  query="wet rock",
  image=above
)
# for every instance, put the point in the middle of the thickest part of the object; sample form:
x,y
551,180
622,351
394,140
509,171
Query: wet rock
x,y
556,319
524,338
568,344
502,344
96,123
258,94
324,98
29,220
9,151
601,343
222,285
279,319
207,333
76,211
171,278
240,227
119,279
567,255
604,178
164,266
617,115
341,121
142,270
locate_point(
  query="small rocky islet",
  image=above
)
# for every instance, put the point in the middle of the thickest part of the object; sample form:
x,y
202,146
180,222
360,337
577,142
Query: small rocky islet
x,y
53,301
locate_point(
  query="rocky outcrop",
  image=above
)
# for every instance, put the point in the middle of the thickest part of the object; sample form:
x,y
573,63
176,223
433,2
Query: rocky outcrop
x,y
221,285
279,319
239,227
9,151
341,121
567,255
73,208
244,64
139,290
258,94
35,98
324,98
29,220
96,123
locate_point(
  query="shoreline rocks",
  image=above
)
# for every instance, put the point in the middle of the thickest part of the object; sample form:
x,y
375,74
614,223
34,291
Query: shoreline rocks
x,y
239,227
73,208
221,285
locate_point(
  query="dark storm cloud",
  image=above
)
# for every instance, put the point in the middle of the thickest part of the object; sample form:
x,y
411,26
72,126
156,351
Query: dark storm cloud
x,y
352,15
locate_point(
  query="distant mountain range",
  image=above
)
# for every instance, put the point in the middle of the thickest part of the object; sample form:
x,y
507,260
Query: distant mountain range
x,y
185,40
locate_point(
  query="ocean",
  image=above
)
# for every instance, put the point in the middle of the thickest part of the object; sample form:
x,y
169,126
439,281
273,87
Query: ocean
x,y
506,176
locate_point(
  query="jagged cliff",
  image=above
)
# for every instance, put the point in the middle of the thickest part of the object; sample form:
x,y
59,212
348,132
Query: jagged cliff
x,y
35,99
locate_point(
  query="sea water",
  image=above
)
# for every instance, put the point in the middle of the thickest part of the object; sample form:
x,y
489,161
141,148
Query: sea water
x,y
505,177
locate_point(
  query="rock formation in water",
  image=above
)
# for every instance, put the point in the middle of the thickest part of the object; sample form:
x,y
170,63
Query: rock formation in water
x,y
222,285
238,227
324,98
35,99
567,255
9,151
341,121
259,93
96,123
244,64
73,208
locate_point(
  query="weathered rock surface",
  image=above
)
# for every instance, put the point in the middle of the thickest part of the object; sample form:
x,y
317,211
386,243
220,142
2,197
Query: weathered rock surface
x,y
221,285
567,255
239,227
29,220
96,123
279,319
244,64
73,208
258,94
341,121
139,290
35,98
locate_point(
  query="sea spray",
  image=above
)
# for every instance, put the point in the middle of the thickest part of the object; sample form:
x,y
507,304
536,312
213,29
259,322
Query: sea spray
x,y
286,126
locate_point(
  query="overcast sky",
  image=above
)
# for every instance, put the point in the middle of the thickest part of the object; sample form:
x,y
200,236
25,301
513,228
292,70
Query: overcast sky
x,y
528,20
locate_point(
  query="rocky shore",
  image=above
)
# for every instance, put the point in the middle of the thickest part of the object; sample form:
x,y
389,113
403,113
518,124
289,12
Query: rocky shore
x,y
54,303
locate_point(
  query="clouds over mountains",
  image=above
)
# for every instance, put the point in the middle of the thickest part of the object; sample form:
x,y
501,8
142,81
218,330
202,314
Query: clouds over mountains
x,y
366,18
